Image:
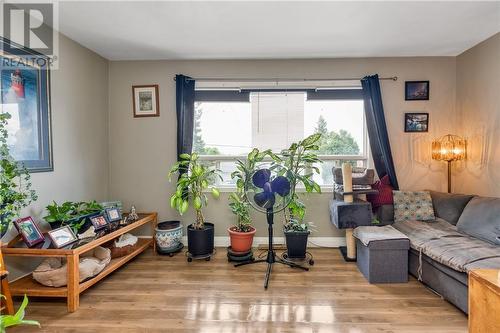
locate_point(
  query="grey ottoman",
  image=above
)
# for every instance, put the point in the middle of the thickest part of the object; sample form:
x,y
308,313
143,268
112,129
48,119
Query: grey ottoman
x,y
382,254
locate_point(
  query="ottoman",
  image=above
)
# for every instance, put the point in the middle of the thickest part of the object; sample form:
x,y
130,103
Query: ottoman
x,y
382,254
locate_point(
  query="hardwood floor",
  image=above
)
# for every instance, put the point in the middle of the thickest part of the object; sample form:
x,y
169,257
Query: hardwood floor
x,y
163,294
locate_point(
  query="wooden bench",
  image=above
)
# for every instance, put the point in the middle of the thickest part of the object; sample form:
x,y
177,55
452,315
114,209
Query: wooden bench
x,y
27,285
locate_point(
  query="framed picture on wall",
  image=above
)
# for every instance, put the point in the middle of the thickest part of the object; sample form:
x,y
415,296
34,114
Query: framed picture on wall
x,y
146,101
416,122
25,96
416,90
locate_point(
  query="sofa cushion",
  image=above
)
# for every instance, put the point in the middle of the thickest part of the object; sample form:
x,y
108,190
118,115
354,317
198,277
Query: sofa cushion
x,y
442,242
449,206
481,219
414,206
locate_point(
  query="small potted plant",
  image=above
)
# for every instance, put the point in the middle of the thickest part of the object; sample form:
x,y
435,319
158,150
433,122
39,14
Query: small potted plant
x,y
299,162
15,182
194,180
242,233
74,214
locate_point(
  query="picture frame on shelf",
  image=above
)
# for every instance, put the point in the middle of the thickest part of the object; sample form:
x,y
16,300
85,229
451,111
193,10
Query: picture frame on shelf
x,y
113,214
417,90
99,222
146,101
62,236
416,122
29,231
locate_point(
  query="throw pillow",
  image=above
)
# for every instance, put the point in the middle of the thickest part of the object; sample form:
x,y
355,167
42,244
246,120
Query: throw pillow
x,y
413,206
384,195
449,206
481,219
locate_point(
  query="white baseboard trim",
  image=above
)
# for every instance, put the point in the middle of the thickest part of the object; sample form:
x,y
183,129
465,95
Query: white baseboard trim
x,y
223,241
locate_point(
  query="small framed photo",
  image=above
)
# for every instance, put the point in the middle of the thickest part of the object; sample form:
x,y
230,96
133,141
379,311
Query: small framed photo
x,y
416,122
62,236
29,231
416,90
99,222
113,214
146,101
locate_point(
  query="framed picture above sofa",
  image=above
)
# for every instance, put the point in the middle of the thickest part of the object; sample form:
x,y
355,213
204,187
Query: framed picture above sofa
x,y
416,122
25,95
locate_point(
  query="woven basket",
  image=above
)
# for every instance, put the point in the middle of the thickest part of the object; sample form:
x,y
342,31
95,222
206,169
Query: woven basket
x,y
117,252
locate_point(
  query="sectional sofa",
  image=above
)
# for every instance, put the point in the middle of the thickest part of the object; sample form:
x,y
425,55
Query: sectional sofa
x,y
464,236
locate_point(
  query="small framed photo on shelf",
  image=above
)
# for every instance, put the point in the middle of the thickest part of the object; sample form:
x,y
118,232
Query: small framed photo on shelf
x,y
416,122
29,231
62,236
99,222
113,214
417,90
146,101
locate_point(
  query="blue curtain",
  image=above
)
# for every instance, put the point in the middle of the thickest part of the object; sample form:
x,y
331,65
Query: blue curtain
x,y
184,88
377,129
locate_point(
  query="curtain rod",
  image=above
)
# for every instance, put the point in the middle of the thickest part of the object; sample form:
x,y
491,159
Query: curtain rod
x,y
213,79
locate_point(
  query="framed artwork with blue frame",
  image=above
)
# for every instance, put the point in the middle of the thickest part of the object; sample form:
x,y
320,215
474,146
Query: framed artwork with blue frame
x,y
25,95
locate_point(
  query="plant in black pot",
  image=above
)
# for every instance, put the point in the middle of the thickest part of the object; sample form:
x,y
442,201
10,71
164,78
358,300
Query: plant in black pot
x,y
15,182
299,161
193,182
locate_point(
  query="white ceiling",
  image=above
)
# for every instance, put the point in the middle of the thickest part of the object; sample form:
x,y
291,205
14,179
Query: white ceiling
x,y
132,30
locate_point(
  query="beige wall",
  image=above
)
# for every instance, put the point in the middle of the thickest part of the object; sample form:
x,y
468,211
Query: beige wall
x,y
478,106
80,134
142,150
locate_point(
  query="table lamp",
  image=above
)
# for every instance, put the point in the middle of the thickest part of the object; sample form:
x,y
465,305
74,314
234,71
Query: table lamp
x,y
449,148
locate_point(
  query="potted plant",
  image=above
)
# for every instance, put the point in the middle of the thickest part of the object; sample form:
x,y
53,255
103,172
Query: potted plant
x,y
194,180
242,233
74,214
299,160
15,182
16,319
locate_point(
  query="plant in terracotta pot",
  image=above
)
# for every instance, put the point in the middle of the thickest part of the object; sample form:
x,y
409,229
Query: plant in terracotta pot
x,y
299,160
15,182
242,233
194,180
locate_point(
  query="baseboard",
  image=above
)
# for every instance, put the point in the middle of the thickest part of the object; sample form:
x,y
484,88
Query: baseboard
x,y
223,241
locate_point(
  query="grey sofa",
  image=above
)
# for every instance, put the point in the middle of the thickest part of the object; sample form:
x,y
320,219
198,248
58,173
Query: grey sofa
x,y
465,236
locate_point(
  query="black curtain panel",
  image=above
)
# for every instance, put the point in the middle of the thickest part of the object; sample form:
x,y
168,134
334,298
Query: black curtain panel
x,y
184,89
377,129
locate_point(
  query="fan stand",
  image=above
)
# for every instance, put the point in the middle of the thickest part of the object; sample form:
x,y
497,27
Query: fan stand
x,y
271,255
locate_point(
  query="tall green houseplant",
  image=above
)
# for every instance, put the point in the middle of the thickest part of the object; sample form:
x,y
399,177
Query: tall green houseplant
x,y
299,161
191,186
15,182
238,202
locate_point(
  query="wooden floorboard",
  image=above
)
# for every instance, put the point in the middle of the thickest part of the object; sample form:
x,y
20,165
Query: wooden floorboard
x,y
163,294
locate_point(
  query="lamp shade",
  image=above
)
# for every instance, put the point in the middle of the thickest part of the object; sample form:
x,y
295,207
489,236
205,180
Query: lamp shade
x,y
449,148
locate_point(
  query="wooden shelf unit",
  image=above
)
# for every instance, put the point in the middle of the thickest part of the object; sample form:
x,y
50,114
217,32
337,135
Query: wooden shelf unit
x,y
27,285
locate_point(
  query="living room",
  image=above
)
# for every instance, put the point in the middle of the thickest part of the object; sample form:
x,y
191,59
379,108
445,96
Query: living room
x,y
110,232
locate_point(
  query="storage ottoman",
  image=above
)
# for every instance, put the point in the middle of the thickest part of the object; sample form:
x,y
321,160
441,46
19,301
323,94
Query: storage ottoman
x,y
382,254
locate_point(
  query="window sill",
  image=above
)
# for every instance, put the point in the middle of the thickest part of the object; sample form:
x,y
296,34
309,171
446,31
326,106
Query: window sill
x,y
232,189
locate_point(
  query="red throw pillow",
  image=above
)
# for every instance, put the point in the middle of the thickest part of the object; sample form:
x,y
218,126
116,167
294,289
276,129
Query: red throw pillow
x,y
384,195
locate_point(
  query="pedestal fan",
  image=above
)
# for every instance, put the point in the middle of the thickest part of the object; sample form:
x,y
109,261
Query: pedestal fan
x,y
269,192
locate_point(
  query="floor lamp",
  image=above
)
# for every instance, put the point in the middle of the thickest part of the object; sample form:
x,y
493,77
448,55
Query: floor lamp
x,y
449,148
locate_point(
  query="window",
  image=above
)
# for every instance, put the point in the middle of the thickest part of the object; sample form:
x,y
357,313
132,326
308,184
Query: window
x,y
228,127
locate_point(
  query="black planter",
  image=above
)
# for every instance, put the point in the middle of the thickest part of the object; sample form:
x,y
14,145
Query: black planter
x,y
296,244
55,224
200,242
